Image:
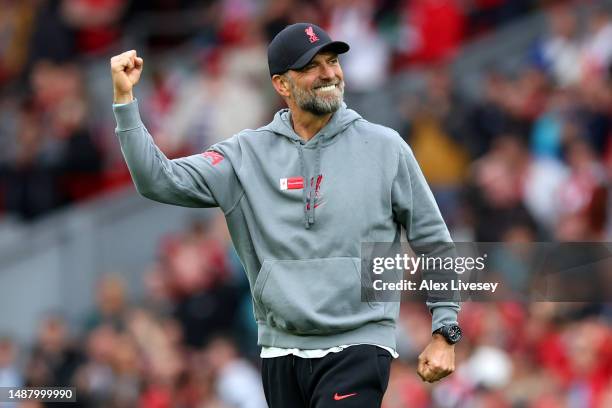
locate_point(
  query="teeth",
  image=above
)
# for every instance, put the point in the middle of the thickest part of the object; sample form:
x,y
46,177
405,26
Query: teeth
x,y
327,88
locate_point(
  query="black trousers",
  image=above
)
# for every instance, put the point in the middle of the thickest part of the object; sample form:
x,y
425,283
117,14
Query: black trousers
x,y
355,377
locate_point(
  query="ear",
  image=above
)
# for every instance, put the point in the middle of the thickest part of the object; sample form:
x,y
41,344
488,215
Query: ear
x,y
281,85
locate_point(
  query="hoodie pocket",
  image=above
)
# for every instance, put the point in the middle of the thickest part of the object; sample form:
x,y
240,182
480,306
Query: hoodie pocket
x,y
314,296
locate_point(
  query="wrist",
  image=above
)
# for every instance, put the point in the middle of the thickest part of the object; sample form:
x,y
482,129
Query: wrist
x,y
440,338
123,97
450,334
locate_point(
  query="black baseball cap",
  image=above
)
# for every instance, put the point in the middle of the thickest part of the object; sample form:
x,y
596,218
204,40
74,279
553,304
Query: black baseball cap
x,y
297,44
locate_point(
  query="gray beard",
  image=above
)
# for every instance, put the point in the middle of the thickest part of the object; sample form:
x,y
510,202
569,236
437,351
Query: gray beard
x,y
311,102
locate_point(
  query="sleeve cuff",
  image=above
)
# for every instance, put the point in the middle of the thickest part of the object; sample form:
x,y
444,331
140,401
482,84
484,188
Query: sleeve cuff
x,y
127,116
443,315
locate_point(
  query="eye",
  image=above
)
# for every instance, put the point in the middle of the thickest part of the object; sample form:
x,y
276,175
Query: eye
x,y
333,61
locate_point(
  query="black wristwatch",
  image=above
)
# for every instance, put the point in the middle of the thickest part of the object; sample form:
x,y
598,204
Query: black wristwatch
x,y
452,334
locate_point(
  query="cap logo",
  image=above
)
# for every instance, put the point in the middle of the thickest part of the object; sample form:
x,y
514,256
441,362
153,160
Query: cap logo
x,y
312,37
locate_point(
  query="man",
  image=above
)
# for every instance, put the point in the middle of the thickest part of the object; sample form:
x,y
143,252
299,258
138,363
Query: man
x,y
300,195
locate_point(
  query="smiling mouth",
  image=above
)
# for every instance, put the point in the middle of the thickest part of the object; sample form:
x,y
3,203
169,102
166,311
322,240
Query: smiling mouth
x,y
326,88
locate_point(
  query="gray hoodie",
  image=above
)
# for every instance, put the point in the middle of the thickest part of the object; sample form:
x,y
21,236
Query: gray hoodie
x,y
297,212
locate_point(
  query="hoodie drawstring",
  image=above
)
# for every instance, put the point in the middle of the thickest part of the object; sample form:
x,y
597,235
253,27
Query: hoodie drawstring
x,y
309,185
315,182
304,183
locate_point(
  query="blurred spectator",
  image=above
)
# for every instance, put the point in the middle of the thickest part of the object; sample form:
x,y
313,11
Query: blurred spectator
x,y
52,39
559,51
95,378
583,200
276,17
437,134
95,23
127,365
432,31
597,51
488,118
60,101
238,383
438,122
208,107
29,177
496,188
365,67
204,298
548,132
54,359
54,159
157,296
16,18
593,119
111,304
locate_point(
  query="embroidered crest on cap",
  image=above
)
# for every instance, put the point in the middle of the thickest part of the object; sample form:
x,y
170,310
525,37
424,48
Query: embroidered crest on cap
x,y
312,37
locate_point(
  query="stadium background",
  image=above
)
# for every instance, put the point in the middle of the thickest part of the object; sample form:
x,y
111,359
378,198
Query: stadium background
x,y
506,103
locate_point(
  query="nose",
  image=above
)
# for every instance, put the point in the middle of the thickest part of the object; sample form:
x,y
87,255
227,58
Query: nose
x,y
327,71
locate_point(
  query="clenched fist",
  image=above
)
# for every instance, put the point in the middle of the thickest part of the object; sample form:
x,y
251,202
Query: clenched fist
x,y
125,71
437,360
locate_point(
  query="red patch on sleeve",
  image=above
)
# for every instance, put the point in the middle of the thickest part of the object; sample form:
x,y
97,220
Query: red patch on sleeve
x,y
215,157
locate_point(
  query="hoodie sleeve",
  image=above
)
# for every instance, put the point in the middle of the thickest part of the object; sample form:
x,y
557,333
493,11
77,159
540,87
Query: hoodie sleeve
x,y
202,180
415,208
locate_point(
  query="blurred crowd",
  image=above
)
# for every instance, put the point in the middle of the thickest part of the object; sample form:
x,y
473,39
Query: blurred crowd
x,y
529,160
205,62
189,341
534,152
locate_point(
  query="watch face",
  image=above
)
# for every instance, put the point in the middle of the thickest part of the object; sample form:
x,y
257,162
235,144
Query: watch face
x,y
454,333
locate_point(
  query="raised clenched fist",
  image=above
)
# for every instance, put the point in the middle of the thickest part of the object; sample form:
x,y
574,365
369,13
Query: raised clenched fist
x,y
125,71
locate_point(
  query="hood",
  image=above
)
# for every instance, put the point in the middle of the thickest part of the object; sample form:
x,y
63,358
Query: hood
x,y
281,125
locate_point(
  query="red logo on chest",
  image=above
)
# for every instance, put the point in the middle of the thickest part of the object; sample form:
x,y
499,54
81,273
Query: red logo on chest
x,y
297,183
292,183
317,193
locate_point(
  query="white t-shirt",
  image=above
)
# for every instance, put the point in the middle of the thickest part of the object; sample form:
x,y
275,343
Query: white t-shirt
x,y
271,352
